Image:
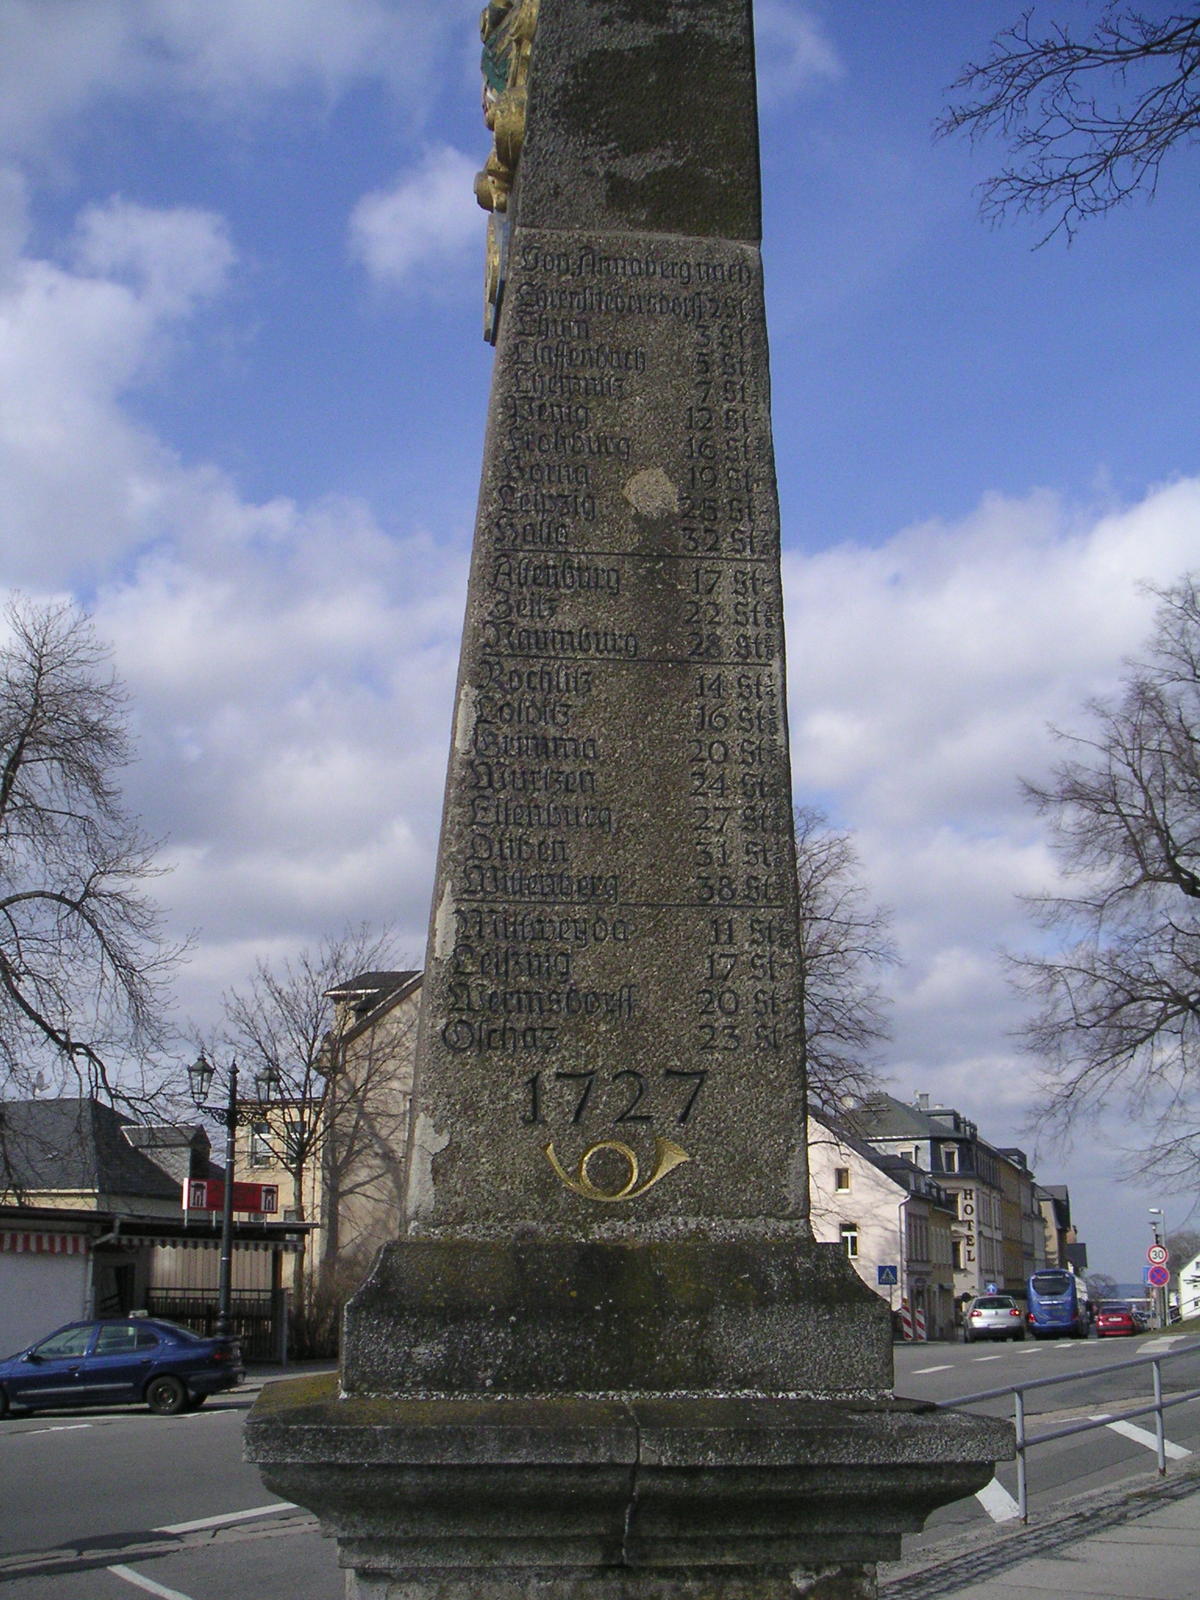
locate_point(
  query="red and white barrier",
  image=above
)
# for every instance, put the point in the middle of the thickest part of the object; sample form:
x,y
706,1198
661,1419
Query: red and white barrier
x,y
912,1323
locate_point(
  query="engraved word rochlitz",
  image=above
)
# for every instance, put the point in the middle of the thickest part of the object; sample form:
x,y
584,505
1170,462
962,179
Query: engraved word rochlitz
x,y
610,999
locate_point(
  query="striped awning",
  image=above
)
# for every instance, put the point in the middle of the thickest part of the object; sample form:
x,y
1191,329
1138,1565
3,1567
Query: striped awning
x,y
181,1242
43,1244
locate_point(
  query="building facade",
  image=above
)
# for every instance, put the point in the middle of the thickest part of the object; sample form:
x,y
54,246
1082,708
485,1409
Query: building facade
x,y
999,1232
893,1221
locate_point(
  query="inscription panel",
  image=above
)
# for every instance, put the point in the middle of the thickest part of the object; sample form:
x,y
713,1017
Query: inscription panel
x,y
610,1014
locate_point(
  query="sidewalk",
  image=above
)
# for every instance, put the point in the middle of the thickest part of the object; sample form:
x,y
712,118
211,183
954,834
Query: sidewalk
x,y
1127,1544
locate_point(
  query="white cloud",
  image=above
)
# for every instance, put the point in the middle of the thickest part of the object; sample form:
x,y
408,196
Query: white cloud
x,y
793,52
60,56
170,259
428,221
923,675
291,666
83,483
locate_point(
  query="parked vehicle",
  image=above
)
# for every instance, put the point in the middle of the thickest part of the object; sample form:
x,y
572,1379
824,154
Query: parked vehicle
x,y
119,1361
1115,1317
1057,1304
993,1316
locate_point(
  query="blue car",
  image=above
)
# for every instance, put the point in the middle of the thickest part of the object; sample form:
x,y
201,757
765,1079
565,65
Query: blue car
x,y
120,1361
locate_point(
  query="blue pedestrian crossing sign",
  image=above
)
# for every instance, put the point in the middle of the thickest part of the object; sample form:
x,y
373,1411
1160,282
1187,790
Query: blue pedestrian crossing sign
x,y
888,1274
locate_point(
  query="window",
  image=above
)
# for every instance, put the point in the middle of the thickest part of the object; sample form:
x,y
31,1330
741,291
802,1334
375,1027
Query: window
x,y
949,1158
114,1340
65,1345
260,1145
293,1142
957,1251
850,1238
841,1179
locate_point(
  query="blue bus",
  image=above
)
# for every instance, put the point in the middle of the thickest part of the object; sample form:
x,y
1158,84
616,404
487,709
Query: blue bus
x,y
1058,1304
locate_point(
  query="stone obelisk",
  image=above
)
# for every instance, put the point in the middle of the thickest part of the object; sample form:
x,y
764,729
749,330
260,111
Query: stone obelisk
x,y
606,1357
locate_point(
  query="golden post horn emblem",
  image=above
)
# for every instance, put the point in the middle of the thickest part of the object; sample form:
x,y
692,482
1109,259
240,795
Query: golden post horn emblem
x,y
667,1156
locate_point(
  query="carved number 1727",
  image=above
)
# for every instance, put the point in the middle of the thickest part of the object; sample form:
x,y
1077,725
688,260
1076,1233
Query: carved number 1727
x,y
576,1092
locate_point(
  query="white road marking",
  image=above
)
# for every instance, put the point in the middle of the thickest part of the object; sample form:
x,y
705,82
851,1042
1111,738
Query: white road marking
x,y
148,1584
987,1358
62,1427
997,1502
1130,1430
945,1367
229,1516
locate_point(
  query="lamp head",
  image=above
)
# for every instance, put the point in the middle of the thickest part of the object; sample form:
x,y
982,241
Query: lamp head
x,y
200,1077
267,1085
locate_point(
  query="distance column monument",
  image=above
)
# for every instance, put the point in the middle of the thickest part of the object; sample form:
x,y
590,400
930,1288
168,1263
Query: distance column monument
x,y
606,1358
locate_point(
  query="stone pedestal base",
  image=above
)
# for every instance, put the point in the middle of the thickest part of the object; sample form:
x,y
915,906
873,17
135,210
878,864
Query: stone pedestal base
x,y
567,1498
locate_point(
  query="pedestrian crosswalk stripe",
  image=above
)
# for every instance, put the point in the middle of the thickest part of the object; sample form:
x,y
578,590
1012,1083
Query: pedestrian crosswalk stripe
x,y
997,1502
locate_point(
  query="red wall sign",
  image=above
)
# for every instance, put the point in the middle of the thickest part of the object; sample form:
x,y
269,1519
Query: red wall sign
x,y
208,1194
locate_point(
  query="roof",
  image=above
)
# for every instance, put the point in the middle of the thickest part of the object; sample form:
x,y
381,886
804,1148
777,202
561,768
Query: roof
x,y
370,986
882,1116
899,1169
75,1144
371,996
181,1151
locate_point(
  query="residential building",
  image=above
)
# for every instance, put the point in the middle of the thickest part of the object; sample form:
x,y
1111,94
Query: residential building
x,y
337,1155
92,1224
374,1041
1189,1288
1053,1201
943,1143
892,1220
80,1154
1023,1240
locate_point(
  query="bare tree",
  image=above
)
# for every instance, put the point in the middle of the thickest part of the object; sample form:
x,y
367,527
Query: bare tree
x,y
279,1026
83,965
1117,996
844,943
1088,117
1100,1286
1184,1245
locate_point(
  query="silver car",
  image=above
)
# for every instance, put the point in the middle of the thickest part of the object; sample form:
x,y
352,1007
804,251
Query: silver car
x,y
993,1316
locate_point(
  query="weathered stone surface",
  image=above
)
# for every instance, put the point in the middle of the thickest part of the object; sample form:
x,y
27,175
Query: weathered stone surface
x,y
642,116
612,961
544,1316
718,1492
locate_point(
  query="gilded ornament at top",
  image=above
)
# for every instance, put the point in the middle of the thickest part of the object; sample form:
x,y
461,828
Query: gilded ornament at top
x,y
507,28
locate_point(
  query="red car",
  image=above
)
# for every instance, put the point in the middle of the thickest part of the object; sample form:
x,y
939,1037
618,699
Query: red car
x,y
1115,1317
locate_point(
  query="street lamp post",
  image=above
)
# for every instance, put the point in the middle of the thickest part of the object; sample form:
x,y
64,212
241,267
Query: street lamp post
x,y
200,1077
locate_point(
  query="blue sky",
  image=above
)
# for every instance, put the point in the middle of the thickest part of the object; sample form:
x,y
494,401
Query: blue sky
x,y
242,396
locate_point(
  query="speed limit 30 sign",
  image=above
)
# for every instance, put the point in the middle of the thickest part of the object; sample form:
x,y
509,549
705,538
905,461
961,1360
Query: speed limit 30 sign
x,y
1158,1255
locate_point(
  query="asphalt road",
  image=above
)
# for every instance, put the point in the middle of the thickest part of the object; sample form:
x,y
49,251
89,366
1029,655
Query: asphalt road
x,y
110,1505
113,1504
1102,1458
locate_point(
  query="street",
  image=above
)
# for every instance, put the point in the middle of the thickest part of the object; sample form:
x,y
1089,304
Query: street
x,y
1067,1467
110,1504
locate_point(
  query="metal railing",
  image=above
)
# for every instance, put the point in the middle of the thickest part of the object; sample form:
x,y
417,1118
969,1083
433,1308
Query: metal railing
x,y
1027,1442
255,1316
